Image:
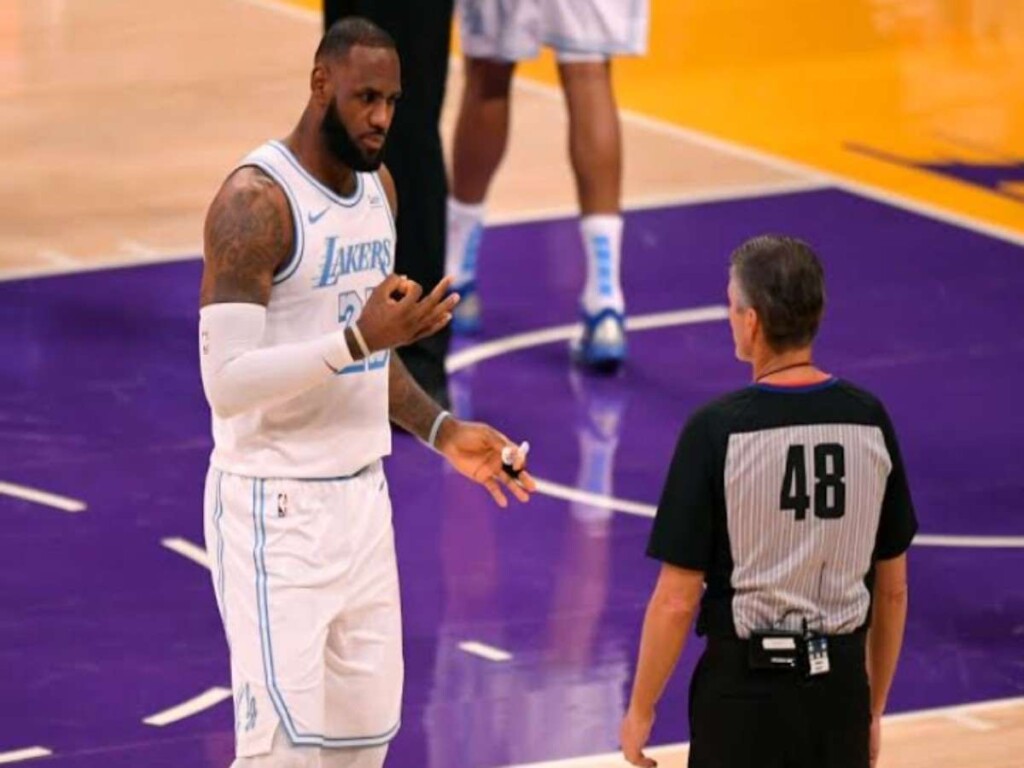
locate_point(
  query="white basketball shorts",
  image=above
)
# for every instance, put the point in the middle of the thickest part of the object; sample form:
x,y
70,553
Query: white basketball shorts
x,y
307,586
578,30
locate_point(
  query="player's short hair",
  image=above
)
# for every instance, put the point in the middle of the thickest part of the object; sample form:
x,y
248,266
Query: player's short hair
x,y
349,32
782,280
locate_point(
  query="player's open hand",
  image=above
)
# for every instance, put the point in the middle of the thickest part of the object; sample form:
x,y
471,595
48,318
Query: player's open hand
x,y
633,735
475,450
397,313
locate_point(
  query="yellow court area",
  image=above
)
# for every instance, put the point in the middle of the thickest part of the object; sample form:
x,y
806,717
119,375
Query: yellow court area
x,y
922,98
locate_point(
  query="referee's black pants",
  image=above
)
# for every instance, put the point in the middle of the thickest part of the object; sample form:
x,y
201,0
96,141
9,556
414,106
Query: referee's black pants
x,y
414,155
744,718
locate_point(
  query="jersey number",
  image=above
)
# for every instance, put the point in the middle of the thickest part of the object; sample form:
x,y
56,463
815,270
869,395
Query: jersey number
x,y
350,306
829,482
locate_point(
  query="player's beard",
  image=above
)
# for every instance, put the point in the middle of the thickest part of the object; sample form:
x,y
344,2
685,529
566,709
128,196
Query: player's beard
x,y
341,144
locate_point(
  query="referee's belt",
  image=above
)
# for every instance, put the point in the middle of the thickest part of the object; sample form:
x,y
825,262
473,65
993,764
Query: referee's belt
x,y
806,652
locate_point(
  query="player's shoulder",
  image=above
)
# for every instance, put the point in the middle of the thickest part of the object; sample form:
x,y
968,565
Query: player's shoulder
x,y
249,201
249,221
250,185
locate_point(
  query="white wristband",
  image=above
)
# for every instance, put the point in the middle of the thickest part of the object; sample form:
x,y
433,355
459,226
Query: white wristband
x,y
360,340
437,428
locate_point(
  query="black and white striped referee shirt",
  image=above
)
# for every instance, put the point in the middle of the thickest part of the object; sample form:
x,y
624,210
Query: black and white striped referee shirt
x,y
785,497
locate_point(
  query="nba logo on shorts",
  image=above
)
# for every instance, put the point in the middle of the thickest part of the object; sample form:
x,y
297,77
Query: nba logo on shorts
x,y
245,710
282,504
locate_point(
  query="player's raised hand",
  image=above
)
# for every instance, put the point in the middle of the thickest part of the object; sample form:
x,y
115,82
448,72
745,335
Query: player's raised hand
x,y
397,313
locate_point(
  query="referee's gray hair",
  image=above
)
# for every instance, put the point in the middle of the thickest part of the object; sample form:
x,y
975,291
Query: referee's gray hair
x,y
781,279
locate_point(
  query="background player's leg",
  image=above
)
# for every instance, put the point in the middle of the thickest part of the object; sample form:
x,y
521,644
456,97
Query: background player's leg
x,y
415,157
595,150
595,141
481,132
481,135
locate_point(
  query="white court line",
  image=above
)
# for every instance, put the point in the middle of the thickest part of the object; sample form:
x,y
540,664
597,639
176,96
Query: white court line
x,y
599,760
121,261
193,706
41,497
970,722
484,651
58,258
187,549
979,542
520,341
24,754
568,493
144,251
964,709
956,709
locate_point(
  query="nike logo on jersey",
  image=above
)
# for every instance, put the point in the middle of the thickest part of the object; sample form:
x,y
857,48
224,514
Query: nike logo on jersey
x,y
315,217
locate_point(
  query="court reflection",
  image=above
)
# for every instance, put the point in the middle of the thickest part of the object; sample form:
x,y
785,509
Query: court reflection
x,y
563,691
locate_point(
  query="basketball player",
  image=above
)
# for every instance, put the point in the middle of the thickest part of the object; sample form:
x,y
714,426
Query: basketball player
x,y
300,312
786,517
585,34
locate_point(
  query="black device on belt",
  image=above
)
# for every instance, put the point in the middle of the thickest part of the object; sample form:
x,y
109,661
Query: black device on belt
x,y
786,650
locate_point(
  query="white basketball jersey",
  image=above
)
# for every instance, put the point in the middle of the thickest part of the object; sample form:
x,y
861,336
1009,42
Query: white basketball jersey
x,y
344,247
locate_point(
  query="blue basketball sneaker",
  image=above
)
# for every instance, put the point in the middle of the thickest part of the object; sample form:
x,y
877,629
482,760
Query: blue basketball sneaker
x,y
466,316
602,345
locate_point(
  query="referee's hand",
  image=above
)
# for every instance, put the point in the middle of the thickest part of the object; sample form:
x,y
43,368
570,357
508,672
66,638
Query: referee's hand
x,y
635,731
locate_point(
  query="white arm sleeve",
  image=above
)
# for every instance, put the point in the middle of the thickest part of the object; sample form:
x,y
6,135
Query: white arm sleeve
x,y
239,375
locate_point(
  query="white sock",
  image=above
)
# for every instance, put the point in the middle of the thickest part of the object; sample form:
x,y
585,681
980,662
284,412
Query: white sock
x,y
465,230
602,240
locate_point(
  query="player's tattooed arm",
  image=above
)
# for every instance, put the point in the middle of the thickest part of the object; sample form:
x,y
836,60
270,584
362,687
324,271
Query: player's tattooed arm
x,y
248,234
408,405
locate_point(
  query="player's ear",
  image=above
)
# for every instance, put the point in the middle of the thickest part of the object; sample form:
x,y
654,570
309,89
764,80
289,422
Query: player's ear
x,y
320,82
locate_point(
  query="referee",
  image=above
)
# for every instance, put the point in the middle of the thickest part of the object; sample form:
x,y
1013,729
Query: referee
x,y
787,506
